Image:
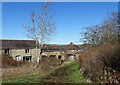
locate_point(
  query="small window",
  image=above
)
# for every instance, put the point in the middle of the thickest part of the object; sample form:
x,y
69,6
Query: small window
x,y
6,51
26,50
59,57
18,57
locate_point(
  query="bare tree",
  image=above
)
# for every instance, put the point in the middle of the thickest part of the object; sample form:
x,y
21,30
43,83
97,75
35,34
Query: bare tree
x,y
106,33
41,29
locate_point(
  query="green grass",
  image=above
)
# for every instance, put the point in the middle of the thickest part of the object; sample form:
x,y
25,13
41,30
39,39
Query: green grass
x,y
23,79
71,73
74,74
28,78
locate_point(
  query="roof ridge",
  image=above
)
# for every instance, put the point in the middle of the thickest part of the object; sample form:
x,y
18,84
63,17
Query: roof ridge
x,y
14,40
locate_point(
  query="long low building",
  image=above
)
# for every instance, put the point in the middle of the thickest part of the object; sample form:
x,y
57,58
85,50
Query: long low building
x,y
25,50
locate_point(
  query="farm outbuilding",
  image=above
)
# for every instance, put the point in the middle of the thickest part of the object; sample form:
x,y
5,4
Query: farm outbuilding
x,y
25,50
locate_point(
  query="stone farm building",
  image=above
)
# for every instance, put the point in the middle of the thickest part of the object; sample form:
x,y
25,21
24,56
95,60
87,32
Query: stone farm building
x,y
25,50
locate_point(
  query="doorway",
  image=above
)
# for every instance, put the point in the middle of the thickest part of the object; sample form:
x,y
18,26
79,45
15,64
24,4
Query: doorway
x,y
27,58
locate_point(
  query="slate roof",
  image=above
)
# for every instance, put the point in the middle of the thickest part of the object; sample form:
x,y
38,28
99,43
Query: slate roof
x,y
17,44
27,44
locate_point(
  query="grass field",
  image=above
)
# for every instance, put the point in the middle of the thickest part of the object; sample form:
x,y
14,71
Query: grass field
x,y
74,73
66,73
27,77
69,73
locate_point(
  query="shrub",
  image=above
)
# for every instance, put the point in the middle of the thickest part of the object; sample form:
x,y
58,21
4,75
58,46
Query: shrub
x,y
48,62
7,61
97,62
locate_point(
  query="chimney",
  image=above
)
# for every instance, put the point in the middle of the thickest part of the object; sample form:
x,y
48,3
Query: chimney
x,y
71,43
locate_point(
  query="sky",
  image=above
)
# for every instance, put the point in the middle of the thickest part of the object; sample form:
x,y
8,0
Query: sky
x,y
60,0
70,18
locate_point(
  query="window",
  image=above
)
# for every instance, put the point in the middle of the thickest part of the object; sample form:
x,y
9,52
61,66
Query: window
x,y
18,57
59,57
27,58
6,51
26,50
52,56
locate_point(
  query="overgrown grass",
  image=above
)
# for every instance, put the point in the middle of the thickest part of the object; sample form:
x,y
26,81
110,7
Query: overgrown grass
x,y
67,73
70,73
28,78
74,74
33,77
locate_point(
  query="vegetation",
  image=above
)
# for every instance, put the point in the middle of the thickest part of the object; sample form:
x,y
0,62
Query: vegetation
x,y
98,63
27,73
74,74
41,28
106,33
7,61
100,60
26,78
67,73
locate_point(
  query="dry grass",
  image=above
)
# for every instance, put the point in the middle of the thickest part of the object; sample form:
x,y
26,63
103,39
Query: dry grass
x,y
19,71
12,68
49,62
98,62
7,61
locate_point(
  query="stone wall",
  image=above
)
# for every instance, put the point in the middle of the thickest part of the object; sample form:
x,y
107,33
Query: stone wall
x,y
57,54
21,53
35,53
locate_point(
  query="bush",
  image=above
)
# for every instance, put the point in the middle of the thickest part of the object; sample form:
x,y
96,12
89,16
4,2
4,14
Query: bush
x,y
7,61
98,62
48,62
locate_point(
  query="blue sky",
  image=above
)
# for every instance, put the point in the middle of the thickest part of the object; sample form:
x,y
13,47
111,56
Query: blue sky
x,y
70,18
